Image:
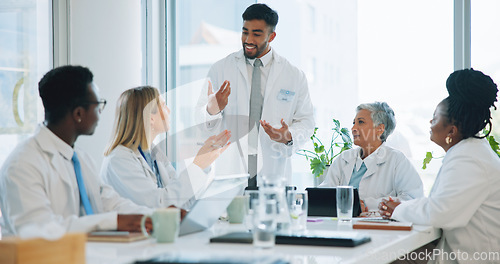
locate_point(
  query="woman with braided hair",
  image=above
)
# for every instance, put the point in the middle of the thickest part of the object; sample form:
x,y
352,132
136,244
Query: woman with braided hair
x,y
465,198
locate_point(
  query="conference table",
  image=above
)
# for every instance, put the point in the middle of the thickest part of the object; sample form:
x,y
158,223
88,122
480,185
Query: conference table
x,y
384,247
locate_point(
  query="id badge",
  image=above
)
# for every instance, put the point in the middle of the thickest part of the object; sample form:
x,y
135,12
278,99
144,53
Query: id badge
x,y
285,95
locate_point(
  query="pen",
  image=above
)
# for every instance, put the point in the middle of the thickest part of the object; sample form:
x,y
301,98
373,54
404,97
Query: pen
x,y
203,143
378,220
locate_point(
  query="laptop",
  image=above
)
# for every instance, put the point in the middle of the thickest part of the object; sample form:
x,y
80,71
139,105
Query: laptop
x,y
206,210
323,202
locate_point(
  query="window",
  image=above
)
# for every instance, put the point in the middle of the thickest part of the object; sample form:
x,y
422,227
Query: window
x,y
26,54
405,60
484,44
352,52
377,51
201,39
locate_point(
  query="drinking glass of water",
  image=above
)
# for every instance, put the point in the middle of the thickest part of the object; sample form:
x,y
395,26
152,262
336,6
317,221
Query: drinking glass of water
x,y
264,230
345,200
253,202
297,204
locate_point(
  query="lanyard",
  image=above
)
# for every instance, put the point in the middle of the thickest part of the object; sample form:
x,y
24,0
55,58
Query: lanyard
x,y
154,168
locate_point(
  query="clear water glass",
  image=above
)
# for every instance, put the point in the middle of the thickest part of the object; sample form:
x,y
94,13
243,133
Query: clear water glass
x,y
345,200
253,202
264,230
297,205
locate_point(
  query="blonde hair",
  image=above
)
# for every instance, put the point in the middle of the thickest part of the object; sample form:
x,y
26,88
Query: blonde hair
x,y
132,118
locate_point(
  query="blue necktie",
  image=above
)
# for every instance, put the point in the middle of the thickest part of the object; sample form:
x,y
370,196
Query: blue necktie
x,y
81,186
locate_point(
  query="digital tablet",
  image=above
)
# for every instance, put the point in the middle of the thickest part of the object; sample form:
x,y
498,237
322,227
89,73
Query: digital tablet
x,y
323,202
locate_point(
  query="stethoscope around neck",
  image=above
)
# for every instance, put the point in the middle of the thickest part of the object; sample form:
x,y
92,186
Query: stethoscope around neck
x,y
154,169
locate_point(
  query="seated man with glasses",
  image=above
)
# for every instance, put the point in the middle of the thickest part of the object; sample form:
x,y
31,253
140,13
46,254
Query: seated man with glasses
x,y
46,180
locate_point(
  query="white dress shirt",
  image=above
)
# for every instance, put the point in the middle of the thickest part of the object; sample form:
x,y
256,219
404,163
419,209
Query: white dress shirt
x,y
264,73
267,61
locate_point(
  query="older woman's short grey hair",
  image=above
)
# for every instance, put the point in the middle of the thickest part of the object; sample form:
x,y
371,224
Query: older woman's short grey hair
x,y
381,113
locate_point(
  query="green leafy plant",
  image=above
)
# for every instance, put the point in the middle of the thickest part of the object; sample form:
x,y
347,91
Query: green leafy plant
x,y
491,139
321,156
428,158
494,144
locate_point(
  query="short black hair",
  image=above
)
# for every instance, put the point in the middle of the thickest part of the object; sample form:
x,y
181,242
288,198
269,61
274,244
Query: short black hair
x,y
471,94
261,12
62,89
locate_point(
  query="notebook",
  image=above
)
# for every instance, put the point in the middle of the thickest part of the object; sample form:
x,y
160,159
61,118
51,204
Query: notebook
x,y
183,257
212,203
323,202
115,236
311,238
383,224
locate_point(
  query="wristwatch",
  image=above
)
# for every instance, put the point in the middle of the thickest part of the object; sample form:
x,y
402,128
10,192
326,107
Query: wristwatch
x,y
289,143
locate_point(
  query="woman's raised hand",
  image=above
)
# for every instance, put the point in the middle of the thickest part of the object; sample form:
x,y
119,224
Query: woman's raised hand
x,y
211,150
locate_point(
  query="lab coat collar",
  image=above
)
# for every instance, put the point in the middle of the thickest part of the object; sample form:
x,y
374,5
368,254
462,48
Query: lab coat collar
x,y
51,143
55,147
274,72
141,159
266,59
240,57
461,142
241,63
372,162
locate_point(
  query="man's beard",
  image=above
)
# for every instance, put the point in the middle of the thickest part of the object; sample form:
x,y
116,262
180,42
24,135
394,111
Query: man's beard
x,y
258,51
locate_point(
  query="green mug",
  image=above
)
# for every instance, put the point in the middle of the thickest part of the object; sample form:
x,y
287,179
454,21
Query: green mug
x,y
237,209
166,223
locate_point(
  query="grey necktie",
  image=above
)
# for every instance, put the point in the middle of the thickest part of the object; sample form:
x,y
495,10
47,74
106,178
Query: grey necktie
x,y
256,100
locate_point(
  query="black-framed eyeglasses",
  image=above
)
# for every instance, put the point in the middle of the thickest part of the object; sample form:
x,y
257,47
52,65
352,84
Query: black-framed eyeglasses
x,y
101,104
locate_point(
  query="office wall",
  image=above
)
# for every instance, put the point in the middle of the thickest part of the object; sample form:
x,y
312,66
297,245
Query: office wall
x,y
106,37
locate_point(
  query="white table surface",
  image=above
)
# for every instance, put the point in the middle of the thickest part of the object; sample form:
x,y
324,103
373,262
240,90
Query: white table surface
x,y
385,246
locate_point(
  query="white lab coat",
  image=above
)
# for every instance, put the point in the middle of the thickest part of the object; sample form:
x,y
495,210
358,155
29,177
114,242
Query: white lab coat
x,y
389,173
464,201
286,96
130,175
36,186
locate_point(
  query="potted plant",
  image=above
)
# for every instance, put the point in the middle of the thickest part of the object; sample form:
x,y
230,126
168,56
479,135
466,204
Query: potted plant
x,y
322,156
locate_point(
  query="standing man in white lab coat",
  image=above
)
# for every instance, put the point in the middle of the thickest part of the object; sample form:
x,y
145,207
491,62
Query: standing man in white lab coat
x,y
46,181
263,100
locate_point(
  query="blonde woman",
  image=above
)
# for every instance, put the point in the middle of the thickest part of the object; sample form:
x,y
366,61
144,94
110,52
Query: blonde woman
x,y
145,176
